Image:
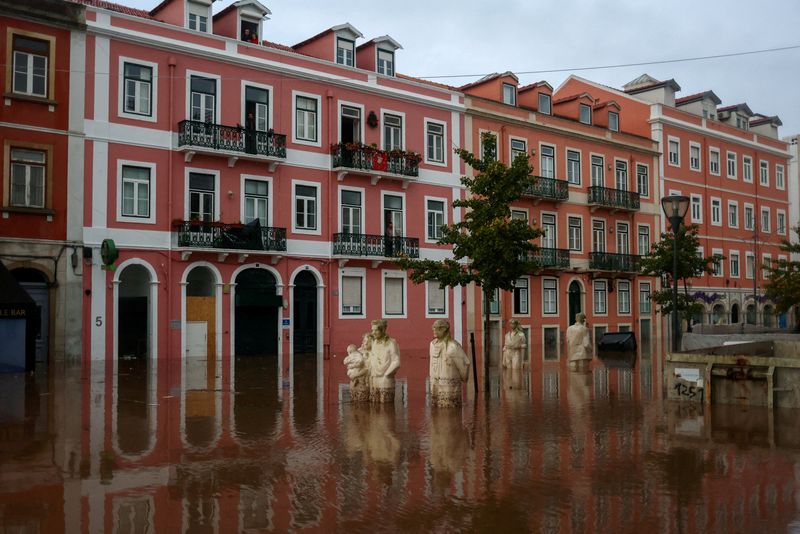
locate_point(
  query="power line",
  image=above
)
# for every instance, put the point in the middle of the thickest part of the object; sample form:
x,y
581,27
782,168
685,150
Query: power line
x,y
640,64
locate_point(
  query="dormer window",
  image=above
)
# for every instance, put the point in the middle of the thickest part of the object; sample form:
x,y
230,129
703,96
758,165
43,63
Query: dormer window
x,y
385,62
198,17
544,103
613,121
345,52
249,32
742,122
509,94
585,114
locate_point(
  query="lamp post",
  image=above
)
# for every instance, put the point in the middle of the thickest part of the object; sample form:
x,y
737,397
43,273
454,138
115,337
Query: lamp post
x,y
675,207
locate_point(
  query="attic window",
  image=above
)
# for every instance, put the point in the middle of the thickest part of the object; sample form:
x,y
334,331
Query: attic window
x,y
345,49
544,103
249,32
586,114
613,121
742,122
509,94
198,17
385,62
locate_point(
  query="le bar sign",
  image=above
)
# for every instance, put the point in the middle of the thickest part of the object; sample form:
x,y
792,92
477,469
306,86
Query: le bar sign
x,y
12,312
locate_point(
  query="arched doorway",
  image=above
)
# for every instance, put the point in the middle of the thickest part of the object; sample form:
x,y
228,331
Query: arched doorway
x,y
256,313
751,314
768,315
575,306
717,314
304,315
734,314
133,309
35,284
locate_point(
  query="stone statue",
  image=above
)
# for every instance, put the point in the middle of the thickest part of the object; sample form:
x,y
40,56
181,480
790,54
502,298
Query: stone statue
x,y
579,347
357,362
515,346
384,362
449,366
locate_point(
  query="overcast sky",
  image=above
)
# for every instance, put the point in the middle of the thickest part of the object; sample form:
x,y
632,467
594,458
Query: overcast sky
x,y
449,37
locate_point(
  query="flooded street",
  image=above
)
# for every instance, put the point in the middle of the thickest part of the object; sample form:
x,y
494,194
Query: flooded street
x,y
258,448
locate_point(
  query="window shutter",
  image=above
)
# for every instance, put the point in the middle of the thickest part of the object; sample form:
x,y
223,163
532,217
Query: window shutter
x,y
393,288
351,292
435,297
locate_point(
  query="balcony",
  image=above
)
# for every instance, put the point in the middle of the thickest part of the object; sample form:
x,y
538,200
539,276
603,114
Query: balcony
x,y
606,261
233,142
615,199
225,239
357,158
375,246
551,258
548,189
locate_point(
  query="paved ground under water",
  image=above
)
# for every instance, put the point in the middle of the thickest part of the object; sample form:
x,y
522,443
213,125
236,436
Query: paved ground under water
x,y
258,448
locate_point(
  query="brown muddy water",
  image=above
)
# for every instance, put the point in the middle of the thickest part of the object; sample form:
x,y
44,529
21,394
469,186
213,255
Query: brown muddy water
x,y
254,447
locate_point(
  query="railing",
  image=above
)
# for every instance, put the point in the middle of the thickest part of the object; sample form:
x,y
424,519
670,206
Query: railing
x,y
613,198
231,138
367,158
227,236
548,188
607,261
375,245
553,258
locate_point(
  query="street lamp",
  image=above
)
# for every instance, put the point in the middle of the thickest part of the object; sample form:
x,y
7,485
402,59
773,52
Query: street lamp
x,y
675,207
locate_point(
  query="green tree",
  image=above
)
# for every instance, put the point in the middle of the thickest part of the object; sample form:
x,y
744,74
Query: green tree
x,y
490,248
690,265
783,286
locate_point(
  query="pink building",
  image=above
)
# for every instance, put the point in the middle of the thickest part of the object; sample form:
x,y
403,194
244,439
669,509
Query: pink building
x,y
256,193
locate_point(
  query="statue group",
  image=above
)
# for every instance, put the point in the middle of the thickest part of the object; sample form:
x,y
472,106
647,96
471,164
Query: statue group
x,y
372,366
579,346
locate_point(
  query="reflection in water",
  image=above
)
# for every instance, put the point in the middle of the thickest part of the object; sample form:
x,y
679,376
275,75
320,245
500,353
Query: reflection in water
x,y
550,450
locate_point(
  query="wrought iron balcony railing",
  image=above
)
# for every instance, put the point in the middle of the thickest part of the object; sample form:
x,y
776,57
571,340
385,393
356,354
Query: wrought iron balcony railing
x,y
552,258
607,261
230,236
614,198
375,245
366,158
548,188
231,138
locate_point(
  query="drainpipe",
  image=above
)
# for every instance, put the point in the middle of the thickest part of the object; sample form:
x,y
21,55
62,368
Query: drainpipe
x,y
326,349
169,285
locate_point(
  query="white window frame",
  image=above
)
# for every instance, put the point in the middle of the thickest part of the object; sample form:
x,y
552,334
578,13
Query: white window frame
x,y
615,114
359,272
620,311
443,200
595,300
766,228
649,310
527,311
270,92
555,291
443,124
766,260
602,168
718,220
778,215
403,127
151,193
698,166
516,209
393,273
737,272
513,94
549,98
405,209
676,161
217,97
639,250
580,218
624,162
362,191
696,200
747,169
352,43
605,235
780,172
728,160
317,206
198,7
511,152
270,196
736,221
306,142
428,313
153,117
567,150
555,161
186,196
718,252
581,108
554,215
763,172
746,265
714,151
636,165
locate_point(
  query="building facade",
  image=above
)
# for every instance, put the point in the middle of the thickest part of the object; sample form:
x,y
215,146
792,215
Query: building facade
x,y
40,126
596,200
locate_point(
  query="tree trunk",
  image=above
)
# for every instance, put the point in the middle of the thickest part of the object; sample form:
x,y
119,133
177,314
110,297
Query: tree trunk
x,y
486,338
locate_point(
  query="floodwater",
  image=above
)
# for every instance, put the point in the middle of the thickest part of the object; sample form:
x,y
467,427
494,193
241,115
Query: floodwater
x,y
256,447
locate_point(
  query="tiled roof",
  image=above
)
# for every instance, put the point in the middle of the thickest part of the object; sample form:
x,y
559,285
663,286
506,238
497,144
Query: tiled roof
x,y
698,96
426,82
102,4
535,85
572,97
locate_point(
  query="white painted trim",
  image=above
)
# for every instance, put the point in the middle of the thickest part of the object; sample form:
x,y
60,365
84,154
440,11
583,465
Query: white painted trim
x,y
403,128
595,313
278,289
354,272
400,194
393,273
735,174
763,164
649,238
99,185
567,150
767,229
671,138
319,132
558,306
426,198
445,148
693,197
518,209
153,117
186,195
738,274
317,206
728,213
428,314
558,342
746,159
528,312
362,118
102,67
620,313
719,252
699,147
217,97
151,193
726,190
270,100
715,150
582,228
785,223
363,192
627,173
320,306
711,211
270,196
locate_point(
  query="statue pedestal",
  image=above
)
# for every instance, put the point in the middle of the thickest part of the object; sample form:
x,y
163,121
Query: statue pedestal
x,y
359,391
446,392
382,391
